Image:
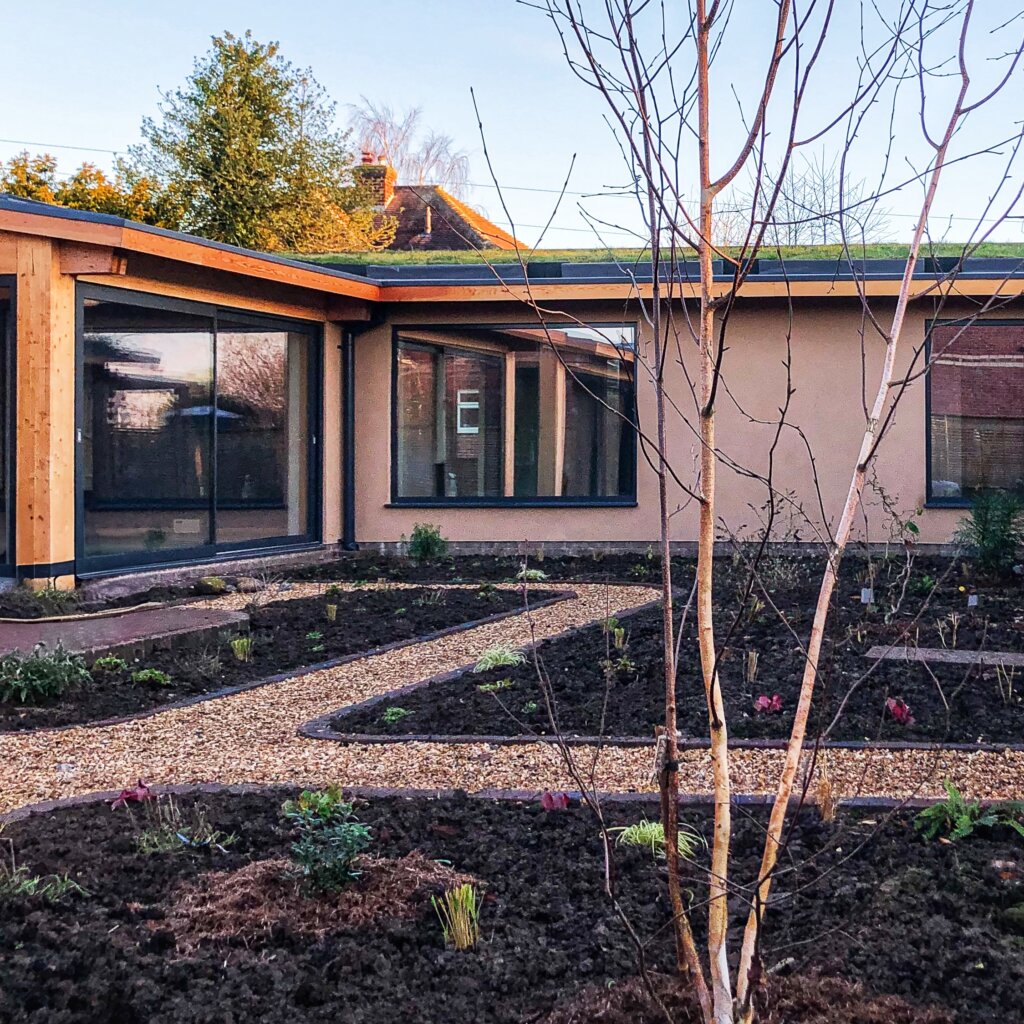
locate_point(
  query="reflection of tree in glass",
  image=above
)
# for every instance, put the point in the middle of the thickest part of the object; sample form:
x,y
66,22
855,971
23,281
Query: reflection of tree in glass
x,y
252,376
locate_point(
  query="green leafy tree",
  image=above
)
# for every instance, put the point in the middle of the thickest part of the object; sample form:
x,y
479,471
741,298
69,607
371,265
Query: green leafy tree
x,y
248,151
126,194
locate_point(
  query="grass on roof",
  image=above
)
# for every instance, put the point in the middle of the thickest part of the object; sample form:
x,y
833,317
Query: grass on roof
x,y
804,252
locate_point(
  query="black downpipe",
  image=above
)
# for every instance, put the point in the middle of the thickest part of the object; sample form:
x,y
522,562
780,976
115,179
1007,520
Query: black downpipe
x,y
348,416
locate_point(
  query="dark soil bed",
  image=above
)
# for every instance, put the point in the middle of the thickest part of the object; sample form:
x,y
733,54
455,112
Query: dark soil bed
x,y
286,635
930,923
599,689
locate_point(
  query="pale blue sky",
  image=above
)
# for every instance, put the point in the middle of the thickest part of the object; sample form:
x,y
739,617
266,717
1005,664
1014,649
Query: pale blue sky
x,y
85,74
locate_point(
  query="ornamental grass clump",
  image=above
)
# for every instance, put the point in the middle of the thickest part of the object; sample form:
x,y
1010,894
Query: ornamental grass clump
x,y
992,532
458,910
651,834
499,656
241,648
330,838
41,676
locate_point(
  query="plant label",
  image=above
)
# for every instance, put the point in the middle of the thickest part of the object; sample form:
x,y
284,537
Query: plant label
x,y
867,595
972,600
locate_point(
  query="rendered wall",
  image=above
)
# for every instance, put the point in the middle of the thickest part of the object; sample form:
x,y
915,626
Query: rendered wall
x,y
827,405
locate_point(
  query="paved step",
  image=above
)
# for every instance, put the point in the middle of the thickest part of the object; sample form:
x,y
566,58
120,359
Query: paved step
x,y
943,655
133,633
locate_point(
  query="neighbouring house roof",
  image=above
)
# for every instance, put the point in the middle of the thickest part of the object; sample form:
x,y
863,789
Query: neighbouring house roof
x,y
431,218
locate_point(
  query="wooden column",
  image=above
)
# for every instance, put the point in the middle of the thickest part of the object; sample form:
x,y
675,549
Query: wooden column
x,y
45,416
551,444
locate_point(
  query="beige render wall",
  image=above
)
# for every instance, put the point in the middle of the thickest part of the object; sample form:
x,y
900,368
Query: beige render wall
x,y
826,405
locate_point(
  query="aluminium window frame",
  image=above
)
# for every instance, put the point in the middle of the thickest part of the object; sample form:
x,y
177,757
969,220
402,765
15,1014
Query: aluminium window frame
x,y
503,501
931,501
97,565
8,401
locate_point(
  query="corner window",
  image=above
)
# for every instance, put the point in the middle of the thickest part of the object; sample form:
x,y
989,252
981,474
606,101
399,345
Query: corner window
x,y
506,415
976,410
195,431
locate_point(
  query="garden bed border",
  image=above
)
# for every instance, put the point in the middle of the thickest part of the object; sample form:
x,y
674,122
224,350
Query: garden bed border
x,y
686,800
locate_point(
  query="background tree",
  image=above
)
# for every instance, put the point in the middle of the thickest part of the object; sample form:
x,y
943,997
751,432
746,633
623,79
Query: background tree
x,y
420,157
249,153
127,194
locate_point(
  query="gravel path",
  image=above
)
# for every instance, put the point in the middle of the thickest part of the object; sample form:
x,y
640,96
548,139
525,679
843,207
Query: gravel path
x,y
251,736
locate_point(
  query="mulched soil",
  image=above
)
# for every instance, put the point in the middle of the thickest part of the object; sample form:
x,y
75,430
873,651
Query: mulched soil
x,y
600,690
929,923
284,638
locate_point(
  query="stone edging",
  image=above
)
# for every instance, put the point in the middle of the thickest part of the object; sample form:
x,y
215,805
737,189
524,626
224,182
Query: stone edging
x,y
280,677
687,800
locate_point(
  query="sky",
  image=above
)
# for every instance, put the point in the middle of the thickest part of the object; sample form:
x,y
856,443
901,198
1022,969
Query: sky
x,y
84,75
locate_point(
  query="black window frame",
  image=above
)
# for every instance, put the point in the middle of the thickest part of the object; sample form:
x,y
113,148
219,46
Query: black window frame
x,y
9,561
92,565
504,501
930,500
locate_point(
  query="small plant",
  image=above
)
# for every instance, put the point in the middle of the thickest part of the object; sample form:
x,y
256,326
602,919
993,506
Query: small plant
x,y
924,585
41,676
426,543
1005,678
499,656
394,714
992,532
497,686
212,585
150,677
315,638
17,882
957,818
948,628
610,624
330,838
768,705
432,598
459,913
899,710
333,593
526,575
651,834
168,831
530,707
554,801
136,794
487,592
241,648
109,665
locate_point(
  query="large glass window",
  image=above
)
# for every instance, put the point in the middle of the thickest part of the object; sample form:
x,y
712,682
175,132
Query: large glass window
x,y
976,406
195,431
506,413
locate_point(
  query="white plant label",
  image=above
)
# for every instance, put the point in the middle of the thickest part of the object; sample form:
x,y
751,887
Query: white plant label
x,y
867,595
972,600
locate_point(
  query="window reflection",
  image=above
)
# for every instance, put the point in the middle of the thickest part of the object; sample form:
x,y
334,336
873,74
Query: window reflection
x,y
515,413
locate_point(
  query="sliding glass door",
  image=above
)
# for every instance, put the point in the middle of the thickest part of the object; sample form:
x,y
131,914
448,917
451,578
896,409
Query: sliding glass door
x,y
196,431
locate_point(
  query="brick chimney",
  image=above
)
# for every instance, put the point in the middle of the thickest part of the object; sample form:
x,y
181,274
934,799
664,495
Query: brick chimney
x,y
377,178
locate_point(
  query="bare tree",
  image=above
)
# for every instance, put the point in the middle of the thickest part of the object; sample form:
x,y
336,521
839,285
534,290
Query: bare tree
x,y
652,65
816,205
421,157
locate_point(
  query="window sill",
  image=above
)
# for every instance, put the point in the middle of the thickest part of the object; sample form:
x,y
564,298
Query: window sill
x,y
935,504
513,503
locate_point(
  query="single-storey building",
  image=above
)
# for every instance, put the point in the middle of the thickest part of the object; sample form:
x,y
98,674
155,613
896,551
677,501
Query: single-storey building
x,y
171,401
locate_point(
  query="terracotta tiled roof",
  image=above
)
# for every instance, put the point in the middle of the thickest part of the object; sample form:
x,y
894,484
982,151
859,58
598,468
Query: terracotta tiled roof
x,y
453,224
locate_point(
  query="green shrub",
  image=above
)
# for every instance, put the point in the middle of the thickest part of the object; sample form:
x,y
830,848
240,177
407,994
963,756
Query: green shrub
x,y
333,593
241,648
150,677
992,532
330,838
957,818
427,543
526,575
40,676
109,665
394,714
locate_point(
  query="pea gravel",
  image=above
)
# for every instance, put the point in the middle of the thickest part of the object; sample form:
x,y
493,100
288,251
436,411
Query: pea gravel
x,y
250,737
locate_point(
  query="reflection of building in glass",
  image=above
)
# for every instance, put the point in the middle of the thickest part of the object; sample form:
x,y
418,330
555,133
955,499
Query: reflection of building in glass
x,y
515,413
